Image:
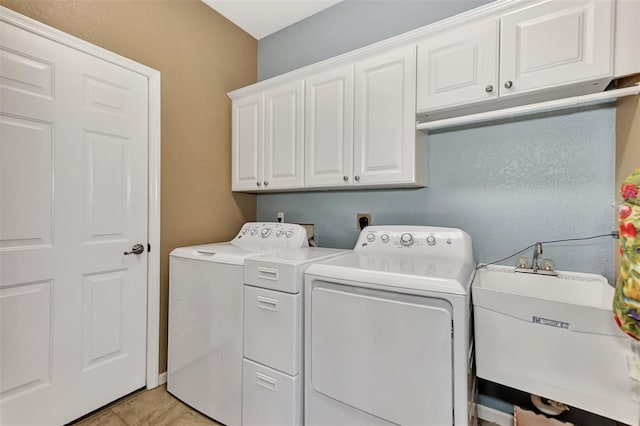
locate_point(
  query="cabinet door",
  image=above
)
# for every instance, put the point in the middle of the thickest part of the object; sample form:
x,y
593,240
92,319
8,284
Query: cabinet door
x,y
283,139
555,43
384,120
329,128
458,67
246,142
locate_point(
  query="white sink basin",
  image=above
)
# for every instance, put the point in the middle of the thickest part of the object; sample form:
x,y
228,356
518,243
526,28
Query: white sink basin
x,y
582,302
554,337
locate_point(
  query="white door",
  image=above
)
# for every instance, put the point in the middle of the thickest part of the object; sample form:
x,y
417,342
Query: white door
x,y
458,67
73,170
555,43
329,128
247,121
384,119
283,139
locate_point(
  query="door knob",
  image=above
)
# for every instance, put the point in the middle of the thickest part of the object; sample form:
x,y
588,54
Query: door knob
x,y
136,249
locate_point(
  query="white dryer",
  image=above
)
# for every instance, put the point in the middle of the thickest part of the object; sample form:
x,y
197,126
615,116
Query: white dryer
x,y
205,317
387,336
272,367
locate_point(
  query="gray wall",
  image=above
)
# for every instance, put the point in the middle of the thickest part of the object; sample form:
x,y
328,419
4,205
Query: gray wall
x,y
507,183
349,25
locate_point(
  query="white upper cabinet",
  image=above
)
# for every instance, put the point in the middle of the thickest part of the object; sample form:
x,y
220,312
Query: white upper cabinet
x,y
267,139
384,149
247,117
360,124
350,122
556,43
329,127
458,67
284,137
537,49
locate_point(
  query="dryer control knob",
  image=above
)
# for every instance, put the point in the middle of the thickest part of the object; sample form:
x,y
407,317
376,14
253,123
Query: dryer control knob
x,y
265,232
406,239
371,237
385,238
289,234
431,240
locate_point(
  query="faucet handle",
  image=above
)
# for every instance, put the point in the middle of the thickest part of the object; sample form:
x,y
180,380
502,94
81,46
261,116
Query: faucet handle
x,y
547,265
522,262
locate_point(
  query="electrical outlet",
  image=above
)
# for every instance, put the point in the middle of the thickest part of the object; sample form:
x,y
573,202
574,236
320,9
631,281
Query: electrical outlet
x,y
280,217
361,215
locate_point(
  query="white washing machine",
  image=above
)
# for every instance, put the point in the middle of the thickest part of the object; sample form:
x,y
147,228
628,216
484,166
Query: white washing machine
x,y
205,317
272,366
387,335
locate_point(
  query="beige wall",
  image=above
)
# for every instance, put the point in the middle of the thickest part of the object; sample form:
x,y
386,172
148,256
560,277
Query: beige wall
x,y
627,141
201,56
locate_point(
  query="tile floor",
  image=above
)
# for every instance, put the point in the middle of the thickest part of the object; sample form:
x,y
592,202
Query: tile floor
x,y
154,407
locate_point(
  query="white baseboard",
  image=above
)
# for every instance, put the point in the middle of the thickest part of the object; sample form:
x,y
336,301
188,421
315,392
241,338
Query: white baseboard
x,y
494,416
162,378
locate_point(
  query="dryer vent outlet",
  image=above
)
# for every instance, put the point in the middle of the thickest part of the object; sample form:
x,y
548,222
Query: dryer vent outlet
x,y
363,220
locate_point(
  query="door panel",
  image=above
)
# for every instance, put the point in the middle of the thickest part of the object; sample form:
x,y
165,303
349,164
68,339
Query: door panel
x,y
247,120
74,198
284,133
555,43
386,354
384,121
329,128
458,67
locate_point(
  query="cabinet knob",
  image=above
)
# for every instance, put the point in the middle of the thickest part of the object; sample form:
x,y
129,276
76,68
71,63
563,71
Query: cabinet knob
x,y
266,183
345,178
489,88
357,178
508,84
258,183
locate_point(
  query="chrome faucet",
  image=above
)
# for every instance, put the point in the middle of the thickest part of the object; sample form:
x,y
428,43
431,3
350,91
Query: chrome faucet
x,y
547,264
537,251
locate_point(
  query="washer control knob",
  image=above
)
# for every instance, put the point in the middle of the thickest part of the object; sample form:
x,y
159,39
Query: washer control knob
x,y
385,238
244,231
406,239
254,231
371,237
265,232
279,233
431,240
289,234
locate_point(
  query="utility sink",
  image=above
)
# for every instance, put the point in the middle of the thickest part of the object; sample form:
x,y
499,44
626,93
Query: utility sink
x,y
554,337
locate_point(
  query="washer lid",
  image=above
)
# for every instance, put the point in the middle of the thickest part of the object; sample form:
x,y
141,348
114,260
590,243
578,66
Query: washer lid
x,y
228,252
406,272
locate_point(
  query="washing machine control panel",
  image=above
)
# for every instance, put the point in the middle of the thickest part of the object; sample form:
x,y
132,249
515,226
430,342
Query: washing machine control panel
x,y
272,234
445,243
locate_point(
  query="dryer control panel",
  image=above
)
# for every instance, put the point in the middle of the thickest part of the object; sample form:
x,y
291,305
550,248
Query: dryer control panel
x,y
272,234
428,241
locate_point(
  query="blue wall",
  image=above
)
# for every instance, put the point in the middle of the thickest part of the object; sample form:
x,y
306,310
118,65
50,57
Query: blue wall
x,y
507,183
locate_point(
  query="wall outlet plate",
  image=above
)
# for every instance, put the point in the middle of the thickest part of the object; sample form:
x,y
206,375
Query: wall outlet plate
x,y
360,215
280,217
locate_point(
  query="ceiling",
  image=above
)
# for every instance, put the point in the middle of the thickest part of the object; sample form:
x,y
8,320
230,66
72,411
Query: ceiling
x,y
263,17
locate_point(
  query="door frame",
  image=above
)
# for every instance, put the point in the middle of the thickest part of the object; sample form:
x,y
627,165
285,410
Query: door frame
x,y
10,17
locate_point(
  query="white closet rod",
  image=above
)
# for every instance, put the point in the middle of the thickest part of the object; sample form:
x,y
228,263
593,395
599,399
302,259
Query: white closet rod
x,y
528,109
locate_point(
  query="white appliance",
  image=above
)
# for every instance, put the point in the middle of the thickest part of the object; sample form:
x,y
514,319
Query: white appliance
x,y
205,317
387,335
272,365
